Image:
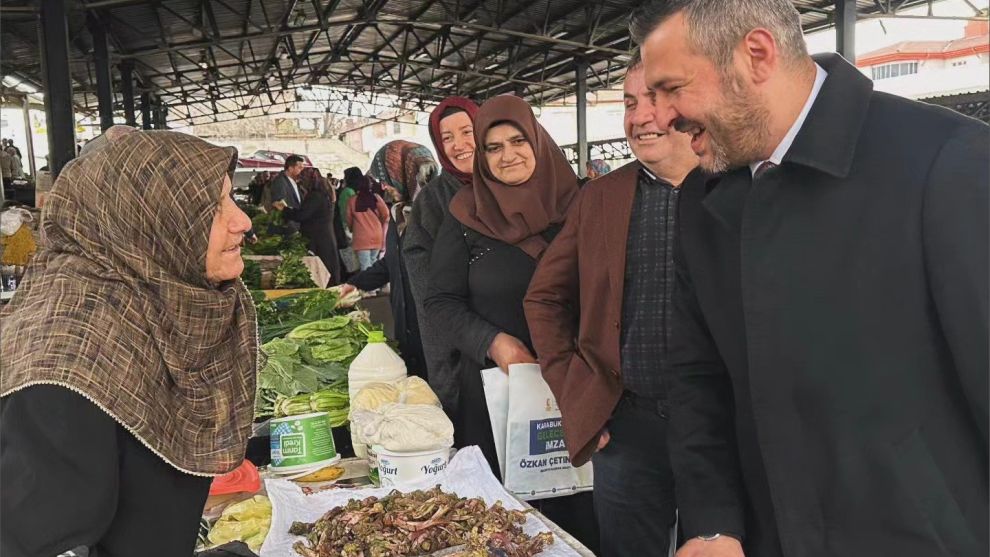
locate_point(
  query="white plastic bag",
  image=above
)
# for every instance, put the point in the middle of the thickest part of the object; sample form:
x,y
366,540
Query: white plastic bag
x,y
404,427
496,384
535,464
12,219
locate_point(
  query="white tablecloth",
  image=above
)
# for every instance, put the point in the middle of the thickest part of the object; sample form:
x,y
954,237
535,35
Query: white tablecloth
x,y
467,475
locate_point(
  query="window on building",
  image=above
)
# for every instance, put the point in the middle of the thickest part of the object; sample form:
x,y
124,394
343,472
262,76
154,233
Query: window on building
x,y
396,127
887,71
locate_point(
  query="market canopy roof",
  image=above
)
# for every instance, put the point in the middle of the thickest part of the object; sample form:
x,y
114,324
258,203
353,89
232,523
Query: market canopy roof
x,y
220,59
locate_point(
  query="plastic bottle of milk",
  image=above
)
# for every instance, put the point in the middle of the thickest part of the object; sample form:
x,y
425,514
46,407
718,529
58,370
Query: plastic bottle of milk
x,y
376,363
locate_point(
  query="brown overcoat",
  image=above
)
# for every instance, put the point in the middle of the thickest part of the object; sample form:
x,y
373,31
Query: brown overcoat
x,y
574,308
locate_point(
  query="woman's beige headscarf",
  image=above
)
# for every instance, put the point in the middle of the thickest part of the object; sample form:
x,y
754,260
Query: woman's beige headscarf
x,y
116,305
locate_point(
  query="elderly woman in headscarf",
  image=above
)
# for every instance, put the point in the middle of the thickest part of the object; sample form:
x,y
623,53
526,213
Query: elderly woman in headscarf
x,y
483,260
403,167
129,354
315,217
452,132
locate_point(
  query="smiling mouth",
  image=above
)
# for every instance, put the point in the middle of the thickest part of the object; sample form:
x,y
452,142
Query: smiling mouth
x,y
686,126
648,136
694,129
463,156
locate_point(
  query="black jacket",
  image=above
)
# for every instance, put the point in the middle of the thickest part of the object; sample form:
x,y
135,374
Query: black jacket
x,y
282,190
839,307
386,270
315,218
428,212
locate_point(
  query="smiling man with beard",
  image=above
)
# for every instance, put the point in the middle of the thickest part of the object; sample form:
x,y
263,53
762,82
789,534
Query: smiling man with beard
x,y
598,309
828,371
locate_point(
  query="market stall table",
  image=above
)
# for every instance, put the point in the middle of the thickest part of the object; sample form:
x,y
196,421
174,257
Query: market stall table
x,y
466,476
317,270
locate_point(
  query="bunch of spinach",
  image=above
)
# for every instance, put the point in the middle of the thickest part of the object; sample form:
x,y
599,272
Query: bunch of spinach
x,y
292,273
291,370
251,275
277,318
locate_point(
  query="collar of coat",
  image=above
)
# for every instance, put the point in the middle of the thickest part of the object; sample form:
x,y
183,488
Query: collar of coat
x,y
827,140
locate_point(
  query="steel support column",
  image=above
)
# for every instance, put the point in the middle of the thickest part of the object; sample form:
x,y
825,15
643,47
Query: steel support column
x,y
29,137
845,29
127,91
60,117
146,111
582,117
161,116
101,67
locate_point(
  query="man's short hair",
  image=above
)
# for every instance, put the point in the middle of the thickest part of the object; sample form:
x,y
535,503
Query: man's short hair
x,y
293,160
715,27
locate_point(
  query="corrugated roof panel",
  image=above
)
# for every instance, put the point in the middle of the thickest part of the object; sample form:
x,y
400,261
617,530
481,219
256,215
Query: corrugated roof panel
x,y
486,47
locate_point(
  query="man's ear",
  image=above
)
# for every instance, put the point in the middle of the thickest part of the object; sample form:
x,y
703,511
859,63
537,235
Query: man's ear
x,y
758,53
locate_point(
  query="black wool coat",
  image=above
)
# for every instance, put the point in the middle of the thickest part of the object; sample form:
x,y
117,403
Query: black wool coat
x,y
829,375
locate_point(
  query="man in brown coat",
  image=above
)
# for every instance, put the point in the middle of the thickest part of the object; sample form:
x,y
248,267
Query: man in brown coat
x,y
598,311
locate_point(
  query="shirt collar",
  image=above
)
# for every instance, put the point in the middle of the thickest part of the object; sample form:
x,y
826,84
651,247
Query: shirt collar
x,y
785,143
647,173
651,177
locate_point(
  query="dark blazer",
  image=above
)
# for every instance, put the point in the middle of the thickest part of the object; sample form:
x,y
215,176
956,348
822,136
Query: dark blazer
x,y
574,308
281,190
831,355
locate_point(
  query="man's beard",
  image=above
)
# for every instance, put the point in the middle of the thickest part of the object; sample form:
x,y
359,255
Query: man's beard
x,y
738,130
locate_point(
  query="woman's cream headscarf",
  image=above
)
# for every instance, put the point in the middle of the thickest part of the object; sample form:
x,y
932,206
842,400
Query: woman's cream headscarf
x,y
116,305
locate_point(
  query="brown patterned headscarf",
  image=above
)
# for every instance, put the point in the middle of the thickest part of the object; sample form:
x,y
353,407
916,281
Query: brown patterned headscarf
x,y
518,214
404,165
116,305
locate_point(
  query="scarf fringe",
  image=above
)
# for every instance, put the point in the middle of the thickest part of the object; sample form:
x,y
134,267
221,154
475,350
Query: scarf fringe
x,y
106,411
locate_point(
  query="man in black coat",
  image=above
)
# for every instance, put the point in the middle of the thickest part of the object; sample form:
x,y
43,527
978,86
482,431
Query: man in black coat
x,y
285,187
828,381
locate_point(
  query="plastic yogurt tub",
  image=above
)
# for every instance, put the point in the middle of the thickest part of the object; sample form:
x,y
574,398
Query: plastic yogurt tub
x,y
301,443
401,467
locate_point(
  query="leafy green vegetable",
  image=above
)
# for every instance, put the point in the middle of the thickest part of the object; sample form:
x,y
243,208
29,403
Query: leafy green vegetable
x,y
334,400
335,350
262,221
319,328
292,273
266,311
294,245
265,246
331,374
251,275
280,347
306,355
282,376
315,305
